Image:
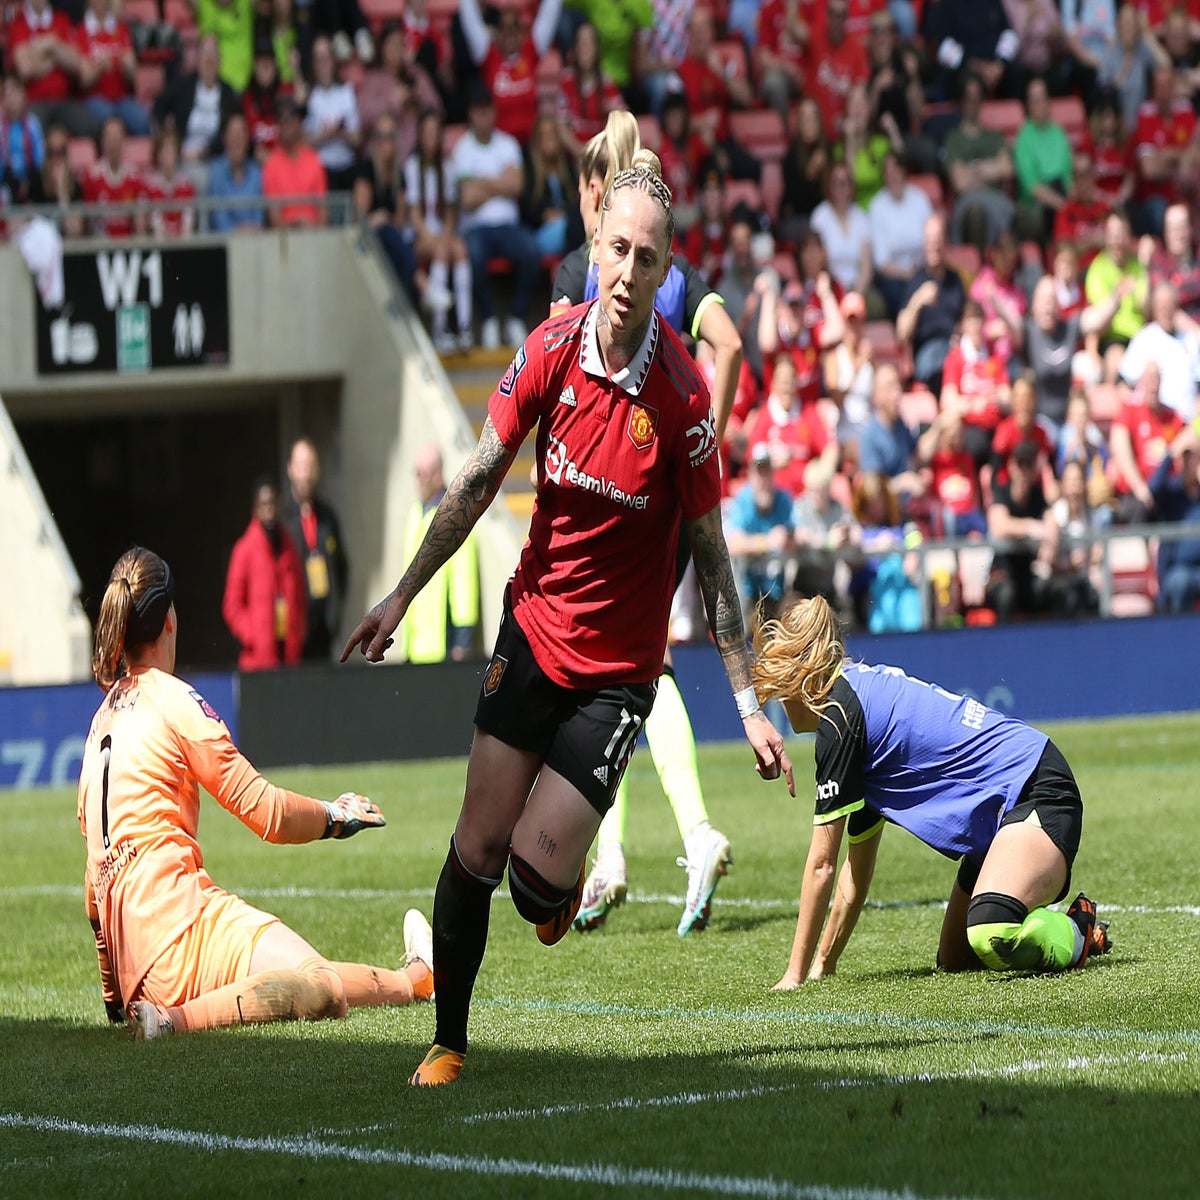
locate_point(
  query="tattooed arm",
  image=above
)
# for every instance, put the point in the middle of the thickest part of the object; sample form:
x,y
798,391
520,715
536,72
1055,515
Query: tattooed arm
x,y
715,574
466,500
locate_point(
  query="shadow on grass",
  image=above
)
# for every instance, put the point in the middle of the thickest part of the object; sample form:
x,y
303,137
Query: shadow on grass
x,y
551,1114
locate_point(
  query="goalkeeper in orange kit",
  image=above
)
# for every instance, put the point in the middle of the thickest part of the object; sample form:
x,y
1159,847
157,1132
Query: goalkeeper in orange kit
x,y
176,952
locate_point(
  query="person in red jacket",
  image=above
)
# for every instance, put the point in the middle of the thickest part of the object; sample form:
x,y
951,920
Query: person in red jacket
x,y
264,603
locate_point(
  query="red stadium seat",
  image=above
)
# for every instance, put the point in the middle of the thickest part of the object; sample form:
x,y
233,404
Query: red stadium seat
x,y
931,185
139,152
142,12
1005,115
377,12
81,153
743,191
1134,579
761,131
1068,111
148,82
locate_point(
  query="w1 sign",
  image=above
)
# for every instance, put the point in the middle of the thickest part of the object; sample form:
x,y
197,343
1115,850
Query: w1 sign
x,y
137,309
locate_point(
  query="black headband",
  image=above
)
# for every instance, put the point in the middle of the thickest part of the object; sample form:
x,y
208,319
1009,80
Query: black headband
x,y
146,621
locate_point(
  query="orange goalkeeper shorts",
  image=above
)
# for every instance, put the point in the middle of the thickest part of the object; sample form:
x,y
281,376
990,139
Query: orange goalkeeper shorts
x,y
213,951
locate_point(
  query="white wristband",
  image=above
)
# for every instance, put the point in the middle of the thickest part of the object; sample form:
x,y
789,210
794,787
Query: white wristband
x,y
747,702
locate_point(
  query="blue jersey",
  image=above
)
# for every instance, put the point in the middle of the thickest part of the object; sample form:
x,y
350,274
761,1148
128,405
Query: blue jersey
x,y
942,766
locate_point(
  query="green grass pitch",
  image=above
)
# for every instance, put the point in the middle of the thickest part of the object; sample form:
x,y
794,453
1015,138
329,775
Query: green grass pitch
x,y
631,1062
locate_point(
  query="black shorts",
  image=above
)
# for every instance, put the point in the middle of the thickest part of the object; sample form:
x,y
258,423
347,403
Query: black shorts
x,y
1051,796
586,735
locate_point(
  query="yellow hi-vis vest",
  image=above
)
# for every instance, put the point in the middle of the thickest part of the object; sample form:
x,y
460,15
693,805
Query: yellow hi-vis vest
x,y
451,596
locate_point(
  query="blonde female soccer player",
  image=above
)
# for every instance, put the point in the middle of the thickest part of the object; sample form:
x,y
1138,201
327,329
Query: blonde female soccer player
x,y
970,782
176,952
626,459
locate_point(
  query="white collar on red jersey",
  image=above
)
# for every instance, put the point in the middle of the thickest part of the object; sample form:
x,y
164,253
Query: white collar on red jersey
x,y
42,20
631,378
93,24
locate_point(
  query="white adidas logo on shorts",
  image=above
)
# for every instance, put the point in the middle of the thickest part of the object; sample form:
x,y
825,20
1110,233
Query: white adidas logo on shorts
x,y
601,773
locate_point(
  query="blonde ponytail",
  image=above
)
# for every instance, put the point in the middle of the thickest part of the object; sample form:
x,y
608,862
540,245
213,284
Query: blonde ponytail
x,y
800,655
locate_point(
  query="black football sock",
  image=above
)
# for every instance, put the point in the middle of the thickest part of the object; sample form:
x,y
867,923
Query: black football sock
x,y
461,907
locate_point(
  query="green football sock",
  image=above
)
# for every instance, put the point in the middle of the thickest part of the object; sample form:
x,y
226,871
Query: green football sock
x,y
1043,941
673,751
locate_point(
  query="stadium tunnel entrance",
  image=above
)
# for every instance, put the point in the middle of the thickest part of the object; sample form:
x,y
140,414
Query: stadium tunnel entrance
x,y
176,473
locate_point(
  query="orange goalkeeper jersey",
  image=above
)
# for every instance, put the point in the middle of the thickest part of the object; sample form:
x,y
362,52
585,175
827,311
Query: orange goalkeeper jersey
x,y
154,742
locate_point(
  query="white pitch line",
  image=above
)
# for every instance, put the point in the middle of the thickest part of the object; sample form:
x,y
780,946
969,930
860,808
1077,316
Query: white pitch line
x,y
727,1095
763,904
603,1175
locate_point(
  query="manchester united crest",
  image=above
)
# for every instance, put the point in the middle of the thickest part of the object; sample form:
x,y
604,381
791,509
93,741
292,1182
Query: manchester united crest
x,y
495,673
642,424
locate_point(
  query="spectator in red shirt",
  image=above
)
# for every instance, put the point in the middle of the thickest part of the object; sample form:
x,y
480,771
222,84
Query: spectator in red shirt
x,y
956,493
1176,262
1080,219
294,168
836,62
508,60
779,54
587,95
1138,441
44,52
1107,141
1165,125
168,182
1021,425
711,92
106,68
975,383
260,97
683,152
111,180
804,332
793,429
265,603
704,244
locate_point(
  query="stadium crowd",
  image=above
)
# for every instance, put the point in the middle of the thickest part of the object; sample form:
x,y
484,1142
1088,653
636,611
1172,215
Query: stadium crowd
x,y
958,239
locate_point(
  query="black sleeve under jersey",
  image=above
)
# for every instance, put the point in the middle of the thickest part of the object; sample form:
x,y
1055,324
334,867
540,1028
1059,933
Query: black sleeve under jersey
x,y
695,291
570,279
841,755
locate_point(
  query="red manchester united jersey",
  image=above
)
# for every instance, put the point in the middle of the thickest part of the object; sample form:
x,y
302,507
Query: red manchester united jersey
x,y
620,460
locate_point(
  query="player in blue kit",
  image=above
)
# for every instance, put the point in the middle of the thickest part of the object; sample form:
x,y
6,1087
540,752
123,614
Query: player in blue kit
x,y
970,782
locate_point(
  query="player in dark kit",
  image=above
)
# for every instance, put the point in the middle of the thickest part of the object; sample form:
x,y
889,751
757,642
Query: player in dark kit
x,y
626,451
970,782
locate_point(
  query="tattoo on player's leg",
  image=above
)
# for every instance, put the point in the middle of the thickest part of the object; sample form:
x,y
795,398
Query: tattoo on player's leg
x,y
546,844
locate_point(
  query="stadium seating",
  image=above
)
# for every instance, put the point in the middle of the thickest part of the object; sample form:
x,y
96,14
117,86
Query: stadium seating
x,y
377,12
931,185
179,14
139,152
743,191
761,131
1068,111
1007,116
144,12
148,82
81,153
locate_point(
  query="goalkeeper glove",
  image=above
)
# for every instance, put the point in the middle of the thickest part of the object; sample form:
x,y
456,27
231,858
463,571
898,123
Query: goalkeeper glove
x,y
116,1012
349,813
